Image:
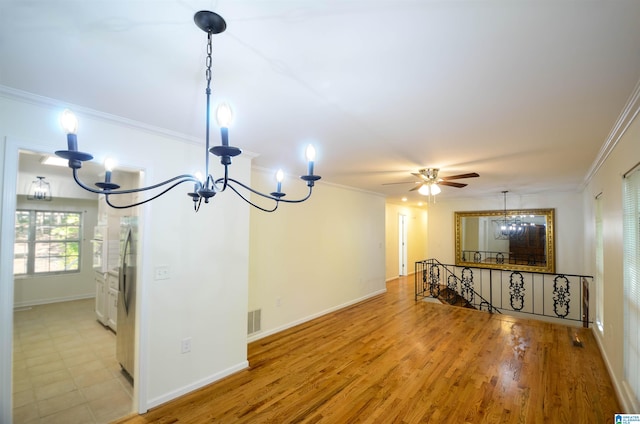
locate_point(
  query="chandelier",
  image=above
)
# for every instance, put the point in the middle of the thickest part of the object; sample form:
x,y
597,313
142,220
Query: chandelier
x,y
204,188
39,190
513,227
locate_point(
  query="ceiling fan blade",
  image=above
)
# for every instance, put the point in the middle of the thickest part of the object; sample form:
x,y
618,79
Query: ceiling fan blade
x,y
452,184
403,182
457,177
419,175
416,187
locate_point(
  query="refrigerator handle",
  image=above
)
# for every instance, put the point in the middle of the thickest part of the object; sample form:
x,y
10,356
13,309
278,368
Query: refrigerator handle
x,y
123,271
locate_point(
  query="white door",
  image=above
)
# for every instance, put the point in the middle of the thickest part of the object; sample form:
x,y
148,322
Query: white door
x,y
402,244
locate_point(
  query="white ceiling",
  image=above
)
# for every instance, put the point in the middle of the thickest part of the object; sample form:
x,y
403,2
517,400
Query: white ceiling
x,y
523,92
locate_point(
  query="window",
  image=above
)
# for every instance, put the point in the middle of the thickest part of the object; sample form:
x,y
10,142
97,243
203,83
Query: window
x,y
47,242
599,266
631,260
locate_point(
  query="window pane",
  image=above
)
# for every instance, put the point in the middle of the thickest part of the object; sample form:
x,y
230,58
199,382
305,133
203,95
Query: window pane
x,y
58,233
43,232
23,219
56,264
72,249
41,265
20,265
73,233
71,263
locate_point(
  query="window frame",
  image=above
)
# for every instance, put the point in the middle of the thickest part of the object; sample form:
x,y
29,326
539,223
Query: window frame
x,y
36,223
631,264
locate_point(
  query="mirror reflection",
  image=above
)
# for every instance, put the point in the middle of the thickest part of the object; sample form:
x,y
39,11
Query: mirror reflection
x,y
516,240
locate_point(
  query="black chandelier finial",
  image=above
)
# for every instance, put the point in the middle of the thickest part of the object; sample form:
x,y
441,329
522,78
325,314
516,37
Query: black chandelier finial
x,y
203,188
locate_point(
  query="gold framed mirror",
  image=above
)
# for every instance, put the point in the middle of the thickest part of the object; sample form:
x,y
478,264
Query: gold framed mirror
x,y
519,240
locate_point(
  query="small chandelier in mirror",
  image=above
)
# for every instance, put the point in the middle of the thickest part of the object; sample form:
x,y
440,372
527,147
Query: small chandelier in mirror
x,y
509,228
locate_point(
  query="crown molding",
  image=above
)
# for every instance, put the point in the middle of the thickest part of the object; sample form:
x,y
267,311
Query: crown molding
x,y
625,119
36,99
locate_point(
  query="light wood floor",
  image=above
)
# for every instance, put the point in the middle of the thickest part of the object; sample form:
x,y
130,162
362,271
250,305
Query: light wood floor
x,y
393,360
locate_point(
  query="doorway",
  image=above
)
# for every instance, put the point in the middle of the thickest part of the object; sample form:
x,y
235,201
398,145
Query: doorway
x,y
63,365
402,245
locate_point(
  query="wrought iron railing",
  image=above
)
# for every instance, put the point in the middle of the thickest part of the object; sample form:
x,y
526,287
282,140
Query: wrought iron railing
x,y
438,281
559,296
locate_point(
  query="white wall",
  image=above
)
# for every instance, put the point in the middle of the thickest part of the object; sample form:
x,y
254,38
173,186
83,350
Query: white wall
x,y
311,258
417,229
568,234
608,181
208,252
36,290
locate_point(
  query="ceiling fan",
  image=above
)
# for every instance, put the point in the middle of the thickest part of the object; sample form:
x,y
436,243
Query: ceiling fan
x,y
429,181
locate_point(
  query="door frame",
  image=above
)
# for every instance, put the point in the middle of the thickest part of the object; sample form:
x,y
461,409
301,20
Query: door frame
x,y
402,245
7,226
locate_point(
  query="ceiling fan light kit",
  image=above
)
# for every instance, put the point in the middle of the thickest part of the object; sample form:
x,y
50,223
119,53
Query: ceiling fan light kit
x,y
204,188
429,184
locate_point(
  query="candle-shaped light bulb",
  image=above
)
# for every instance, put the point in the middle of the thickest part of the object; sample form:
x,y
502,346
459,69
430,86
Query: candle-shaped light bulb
x,y
69,122
279,178
311,156
109,165
224,115
200,178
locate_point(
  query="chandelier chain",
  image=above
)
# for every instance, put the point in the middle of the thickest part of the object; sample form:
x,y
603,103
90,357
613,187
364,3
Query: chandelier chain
x,y
208,61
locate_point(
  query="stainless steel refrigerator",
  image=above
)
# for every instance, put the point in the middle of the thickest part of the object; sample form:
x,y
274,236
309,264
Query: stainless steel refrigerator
x,y
125,336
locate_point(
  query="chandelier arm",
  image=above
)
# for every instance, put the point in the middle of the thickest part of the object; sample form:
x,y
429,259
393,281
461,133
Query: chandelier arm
x,y
107,193
267,196
183,179
298,200
251,203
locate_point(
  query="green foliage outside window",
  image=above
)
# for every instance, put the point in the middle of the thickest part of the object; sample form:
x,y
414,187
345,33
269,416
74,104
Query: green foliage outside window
x,y
47,242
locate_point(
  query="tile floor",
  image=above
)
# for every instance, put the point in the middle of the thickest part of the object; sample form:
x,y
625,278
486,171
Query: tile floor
x,y
64,367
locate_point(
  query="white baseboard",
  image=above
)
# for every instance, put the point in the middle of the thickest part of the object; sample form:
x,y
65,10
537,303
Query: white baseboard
x,y
196,385
625,402
261,335
400,276
28,303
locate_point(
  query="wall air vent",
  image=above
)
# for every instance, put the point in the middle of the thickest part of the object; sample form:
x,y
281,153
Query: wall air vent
x,y
253,321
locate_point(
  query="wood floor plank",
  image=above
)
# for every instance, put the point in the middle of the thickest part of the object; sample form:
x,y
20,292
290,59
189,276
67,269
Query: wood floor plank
x,y
391,359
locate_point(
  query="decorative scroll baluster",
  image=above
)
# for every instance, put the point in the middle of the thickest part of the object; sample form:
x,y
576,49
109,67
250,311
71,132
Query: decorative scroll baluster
x,y
477,257
561,296
516,290
467,285
499,258
452,285
434,280
424,277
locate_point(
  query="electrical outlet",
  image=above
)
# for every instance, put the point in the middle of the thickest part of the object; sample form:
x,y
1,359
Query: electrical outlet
x,y
162,273
185,345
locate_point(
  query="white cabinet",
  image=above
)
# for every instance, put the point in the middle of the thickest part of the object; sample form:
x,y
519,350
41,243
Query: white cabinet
x,y
101,298
112,301
107,299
